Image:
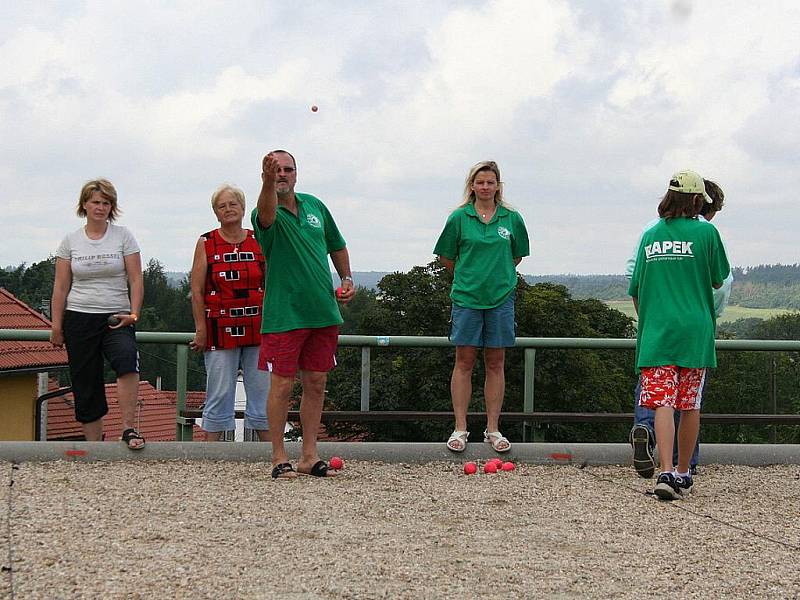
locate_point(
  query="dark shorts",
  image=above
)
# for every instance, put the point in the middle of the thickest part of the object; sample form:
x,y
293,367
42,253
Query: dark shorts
x,y
484,328
308,349
89,341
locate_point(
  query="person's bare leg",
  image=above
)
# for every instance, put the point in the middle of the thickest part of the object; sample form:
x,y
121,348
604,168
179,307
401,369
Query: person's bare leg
x,y
495,385
93,432
665,434
310,417
688,430
461,384
263,435
128,393
277,408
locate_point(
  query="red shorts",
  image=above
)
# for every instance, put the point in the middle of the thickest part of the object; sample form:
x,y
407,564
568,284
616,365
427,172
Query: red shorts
x,y
677,387
304,349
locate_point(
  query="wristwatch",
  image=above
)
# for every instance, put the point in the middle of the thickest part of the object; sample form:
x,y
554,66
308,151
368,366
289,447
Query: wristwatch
x,y
347,278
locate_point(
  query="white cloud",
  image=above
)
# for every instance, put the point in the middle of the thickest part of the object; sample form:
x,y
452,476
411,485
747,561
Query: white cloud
x,y
588,108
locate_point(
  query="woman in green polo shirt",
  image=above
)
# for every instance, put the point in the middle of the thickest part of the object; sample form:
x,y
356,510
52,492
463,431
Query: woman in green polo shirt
x,y
482,243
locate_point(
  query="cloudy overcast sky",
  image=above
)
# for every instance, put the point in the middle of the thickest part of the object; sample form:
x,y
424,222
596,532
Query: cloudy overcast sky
x,y
587,106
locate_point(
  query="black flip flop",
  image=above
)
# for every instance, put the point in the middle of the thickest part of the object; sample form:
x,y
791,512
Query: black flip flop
x,y
280,469
320,469
132,434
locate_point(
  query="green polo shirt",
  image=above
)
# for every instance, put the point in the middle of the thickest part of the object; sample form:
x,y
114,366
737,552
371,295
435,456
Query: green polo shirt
x,y
298,292
485,273
677,263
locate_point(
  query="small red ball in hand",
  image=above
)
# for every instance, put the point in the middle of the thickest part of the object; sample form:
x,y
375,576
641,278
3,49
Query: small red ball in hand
x,y
339,292
470,468
336,463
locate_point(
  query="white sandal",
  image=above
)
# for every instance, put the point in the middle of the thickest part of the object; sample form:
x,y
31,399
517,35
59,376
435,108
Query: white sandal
x,y
498,441
458,441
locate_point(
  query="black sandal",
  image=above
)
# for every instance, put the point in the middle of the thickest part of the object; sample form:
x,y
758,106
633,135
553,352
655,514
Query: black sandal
x,y
132,434
320,469
279,470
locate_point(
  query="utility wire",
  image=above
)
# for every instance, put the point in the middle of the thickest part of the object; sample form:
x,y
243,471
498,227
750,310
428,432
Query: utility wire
x,y
676,505
9,568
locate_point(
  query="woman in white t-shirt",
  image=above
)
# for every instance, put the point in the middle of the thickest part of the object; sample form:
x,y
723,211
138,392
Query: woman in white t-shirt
x,y
93,313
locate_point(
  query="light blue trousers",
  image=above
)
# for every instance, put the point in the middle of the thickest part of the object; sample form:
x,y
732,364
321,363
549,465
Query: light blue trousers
x,y
222,369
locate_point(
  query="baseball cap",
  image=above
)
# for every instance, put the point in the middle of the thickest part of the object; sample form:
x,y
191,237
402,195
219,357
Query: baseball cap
x,y
689,182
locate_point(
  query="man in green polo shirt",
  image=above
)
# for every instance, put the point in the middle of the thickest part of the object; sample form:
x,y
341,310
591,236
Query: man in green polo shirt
x,y
300,321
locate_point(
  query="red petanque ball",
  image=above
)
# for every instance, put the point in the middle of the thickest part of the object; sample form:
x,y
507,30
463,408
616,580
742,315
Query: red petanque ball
x,y
339,292
336,463
470,468
508,466
490,467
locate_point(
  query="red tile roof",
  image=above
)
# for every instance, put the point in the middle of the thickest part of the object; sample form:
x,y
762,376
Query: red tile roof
x,y
15,314
155,416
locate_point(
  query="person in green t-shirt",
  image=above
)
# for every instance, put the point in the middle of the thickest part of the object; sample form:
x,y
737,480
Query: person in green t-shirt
x,y
482,243
300,318
680,261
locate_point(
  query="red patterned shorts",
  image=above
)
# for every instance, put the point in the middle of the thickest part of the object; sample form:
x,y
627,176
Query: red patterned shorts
x,y
677,387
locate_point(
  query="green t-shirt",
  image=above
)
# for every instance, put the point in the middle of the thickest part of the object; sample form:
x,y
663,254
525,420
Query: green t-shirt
x,y
677,263
298,292
485,273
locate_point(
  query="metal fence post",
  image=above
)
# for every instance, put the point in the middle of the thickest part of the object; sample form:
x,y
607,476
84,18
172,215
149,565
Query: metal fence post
x,y
530,363
183,430
365,375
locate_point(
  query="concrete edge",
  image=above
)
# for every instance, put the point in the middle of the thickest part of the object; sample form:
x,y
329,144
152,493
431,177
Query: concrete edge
x,y
392,452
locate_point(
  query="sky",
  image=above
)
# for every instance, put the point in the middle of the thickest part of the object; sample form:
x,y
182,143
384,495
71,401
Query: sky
x,y
587,106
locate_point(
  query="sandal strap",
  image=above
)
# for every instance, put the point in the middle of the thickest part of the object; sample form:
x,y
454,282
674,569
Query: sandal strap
x,y
495,438
458,436
131,434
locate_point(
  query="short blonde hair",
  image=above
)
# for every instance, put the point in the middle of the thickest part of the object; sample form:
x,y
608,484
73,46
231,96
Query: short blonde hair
x,y
233,190
486,165
106,189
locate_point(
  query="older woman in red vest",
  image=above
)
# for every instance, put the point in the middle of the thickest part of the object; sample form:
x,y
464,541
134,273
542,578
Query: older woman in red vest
x,y
227,297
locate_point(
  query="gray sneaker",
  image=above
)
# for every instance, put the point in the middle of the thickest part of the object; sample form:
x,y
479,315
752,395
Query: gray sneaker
x,y
642,443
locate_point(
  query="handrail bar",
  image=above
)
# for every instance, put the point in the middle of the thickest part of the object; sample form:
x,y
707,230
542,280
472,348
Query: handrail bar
x,y
167,337
529,344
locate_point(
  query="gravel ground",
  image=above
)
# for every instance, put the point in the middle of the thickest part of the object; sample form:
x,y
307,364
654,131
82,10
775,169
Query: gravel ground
x,y
225,530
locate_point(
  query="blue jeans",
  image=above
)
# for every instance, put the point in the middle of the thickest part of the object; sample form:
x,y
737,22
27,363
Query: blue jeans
x,y
222,369
646,416
484,328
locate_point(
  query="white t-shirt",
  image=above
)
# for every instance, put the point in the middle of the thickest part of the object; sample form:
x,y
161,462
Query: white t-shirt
x,y
99,280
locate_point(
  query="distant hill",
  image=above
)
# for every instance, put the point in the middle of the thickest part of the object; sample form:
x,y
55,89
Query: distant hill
x,y
762,286
602,287
175,278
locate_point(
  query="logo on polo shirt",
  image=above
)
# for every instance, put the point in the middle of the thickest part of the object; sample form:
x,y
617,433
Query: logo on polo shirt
x,y
668,249
503,232
313,220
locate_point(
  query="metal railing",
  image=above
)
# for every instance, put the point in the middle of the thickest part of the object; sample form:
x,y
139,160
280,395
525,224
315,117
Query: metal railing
x,y
366,343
